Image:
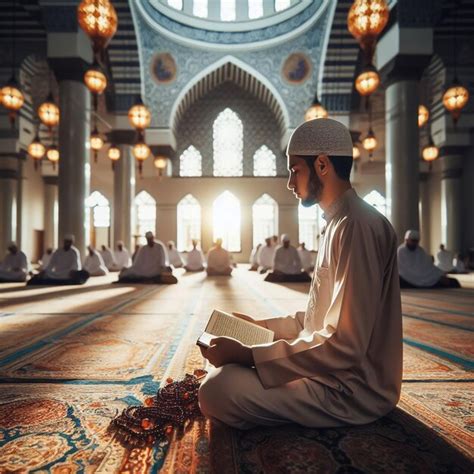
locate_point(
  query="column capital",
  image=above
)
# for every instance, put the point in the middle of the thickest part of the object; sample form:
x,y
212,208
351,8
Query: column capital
x,y
69,69
122,137
404,68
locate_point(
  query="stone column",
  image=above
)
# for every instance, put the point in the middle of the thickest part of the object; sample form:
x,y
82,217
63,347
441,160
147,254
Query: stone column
x,y
424,211
246,233
451,198
124,193
74,131
50,211
8,207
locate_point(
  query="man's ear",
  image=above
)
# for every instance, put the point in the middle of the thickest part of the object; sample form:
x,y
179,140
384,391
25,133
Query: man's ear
x,y
321,165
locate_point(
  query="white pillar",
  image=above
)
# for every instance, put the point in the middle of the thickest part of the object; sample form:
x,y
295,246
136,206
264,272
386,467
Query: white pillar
x,y
50,211
8,207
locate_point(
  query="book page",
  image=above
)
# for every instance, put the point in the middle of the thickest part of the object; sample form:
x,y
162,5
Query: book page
x,y
223,324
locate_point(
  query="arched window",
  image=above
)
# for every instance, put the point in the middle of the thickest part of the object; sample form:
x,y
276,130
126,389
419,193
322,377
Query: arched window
x,y
145,212
228,144
200,8
100,209
190,162
189,222
310,225
265,219
264,162
226,221
228,10
374,198
255,9
281,5
178,4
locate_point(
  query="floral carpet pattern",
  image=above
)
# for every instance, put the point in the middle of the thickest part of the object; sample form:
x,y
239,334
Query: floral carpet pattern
x,y
71,359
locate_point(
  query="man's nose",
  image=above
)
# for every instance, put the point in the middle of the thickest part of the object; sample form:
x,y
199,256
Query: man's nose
x,y
290,185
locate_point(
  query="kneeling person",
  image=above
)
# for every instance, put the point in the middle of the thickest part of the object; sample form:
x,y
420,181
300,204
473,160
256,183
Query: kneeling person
x,y
94,264
14,267
218,261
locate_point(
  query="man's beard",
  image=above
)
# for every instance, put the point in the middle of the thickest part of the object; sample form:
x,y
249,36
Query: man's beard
x,y
315,189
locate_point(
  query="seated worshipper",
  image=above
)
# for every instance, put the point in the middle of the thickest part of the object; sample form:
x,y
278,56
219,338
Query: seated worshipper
x,y
64,268
416,268
108,257
340,361
94,264
254,258
174,255
218,261
135,252
444,259
306,257
14,267
45,259
459,265
265,255
194,259
287,264
149,266
122,257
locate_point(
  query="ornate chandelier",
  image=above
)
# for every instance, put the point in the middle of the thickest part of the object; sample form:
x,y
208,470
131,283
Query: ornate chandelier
x,y
316,110
368,81
48,112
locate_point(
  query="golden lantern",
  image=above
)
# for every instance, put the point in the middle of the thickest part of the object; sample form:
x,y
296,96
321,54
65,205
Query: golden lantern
x,y
367,81
53,155
160,163
114,154
355,152
141,151
455,99
316,110
431,151
98,19
423,115
370,142
97,142
139,116
95,79
48,112
365,21
12,98
36,150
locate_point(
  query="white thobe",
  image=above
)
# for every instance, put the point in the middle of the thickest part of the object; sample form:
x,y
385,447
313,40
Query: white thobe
x,y
14,267
265,256
416,267
287,260
108,258
94,264
444,260
340,361
149,262
307,259
62,263
218,259
253,259
195,260
122,259
175,258
45,259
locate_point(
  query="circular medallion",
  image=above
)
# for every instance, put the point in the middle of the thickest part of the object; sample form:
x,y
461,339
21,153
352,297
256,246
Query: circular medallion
x,y
163,68
296,68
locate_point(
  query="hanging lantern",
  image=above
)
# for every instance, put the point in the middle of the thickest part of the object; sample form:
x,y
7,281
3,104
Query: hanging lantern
x,y
355,152
95,79
160,163
455,99
365,21
98,19
141,151
431,151
12,98
53,155
97,142
139,116
370,142
114,154
36,150
367,81
316,110
423,115
48,112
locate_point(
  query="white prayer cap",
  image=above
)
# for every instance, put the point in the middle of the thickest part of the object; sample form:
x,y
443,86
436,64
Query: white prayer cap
x,y
285,238
149,235
69,237
412,235
320,137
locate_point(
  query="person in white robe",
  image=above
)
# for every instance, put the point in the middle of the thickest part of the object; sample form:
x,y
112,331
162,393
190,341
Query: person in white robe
x,y
416,267
444,260
287,266
194,259
108,257
307,258
14,267
94,264
174,256
46,258
150,264
254,258
265,256
64,268
122,257
218,260
340,361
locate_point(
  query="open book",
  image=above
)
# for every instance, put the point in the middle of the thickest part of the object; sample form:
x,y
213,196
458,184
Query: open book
x,y
225,324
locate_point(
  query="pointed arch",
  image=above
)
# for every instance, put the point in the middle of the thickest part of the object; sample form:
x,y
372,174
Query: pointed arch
x,y
145,215
190,162
100,207
265,218
226,221
264,162
189,222
228,143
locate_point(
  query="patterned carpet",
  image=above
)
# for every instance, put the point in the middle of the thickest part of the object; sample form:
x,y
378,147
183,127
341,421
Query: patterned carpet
x,y
72,358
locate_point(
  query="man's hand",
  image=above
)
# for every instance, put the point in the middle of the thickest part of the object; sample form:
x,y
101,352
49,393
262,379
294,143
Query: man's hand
x,y
250,319
224,350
